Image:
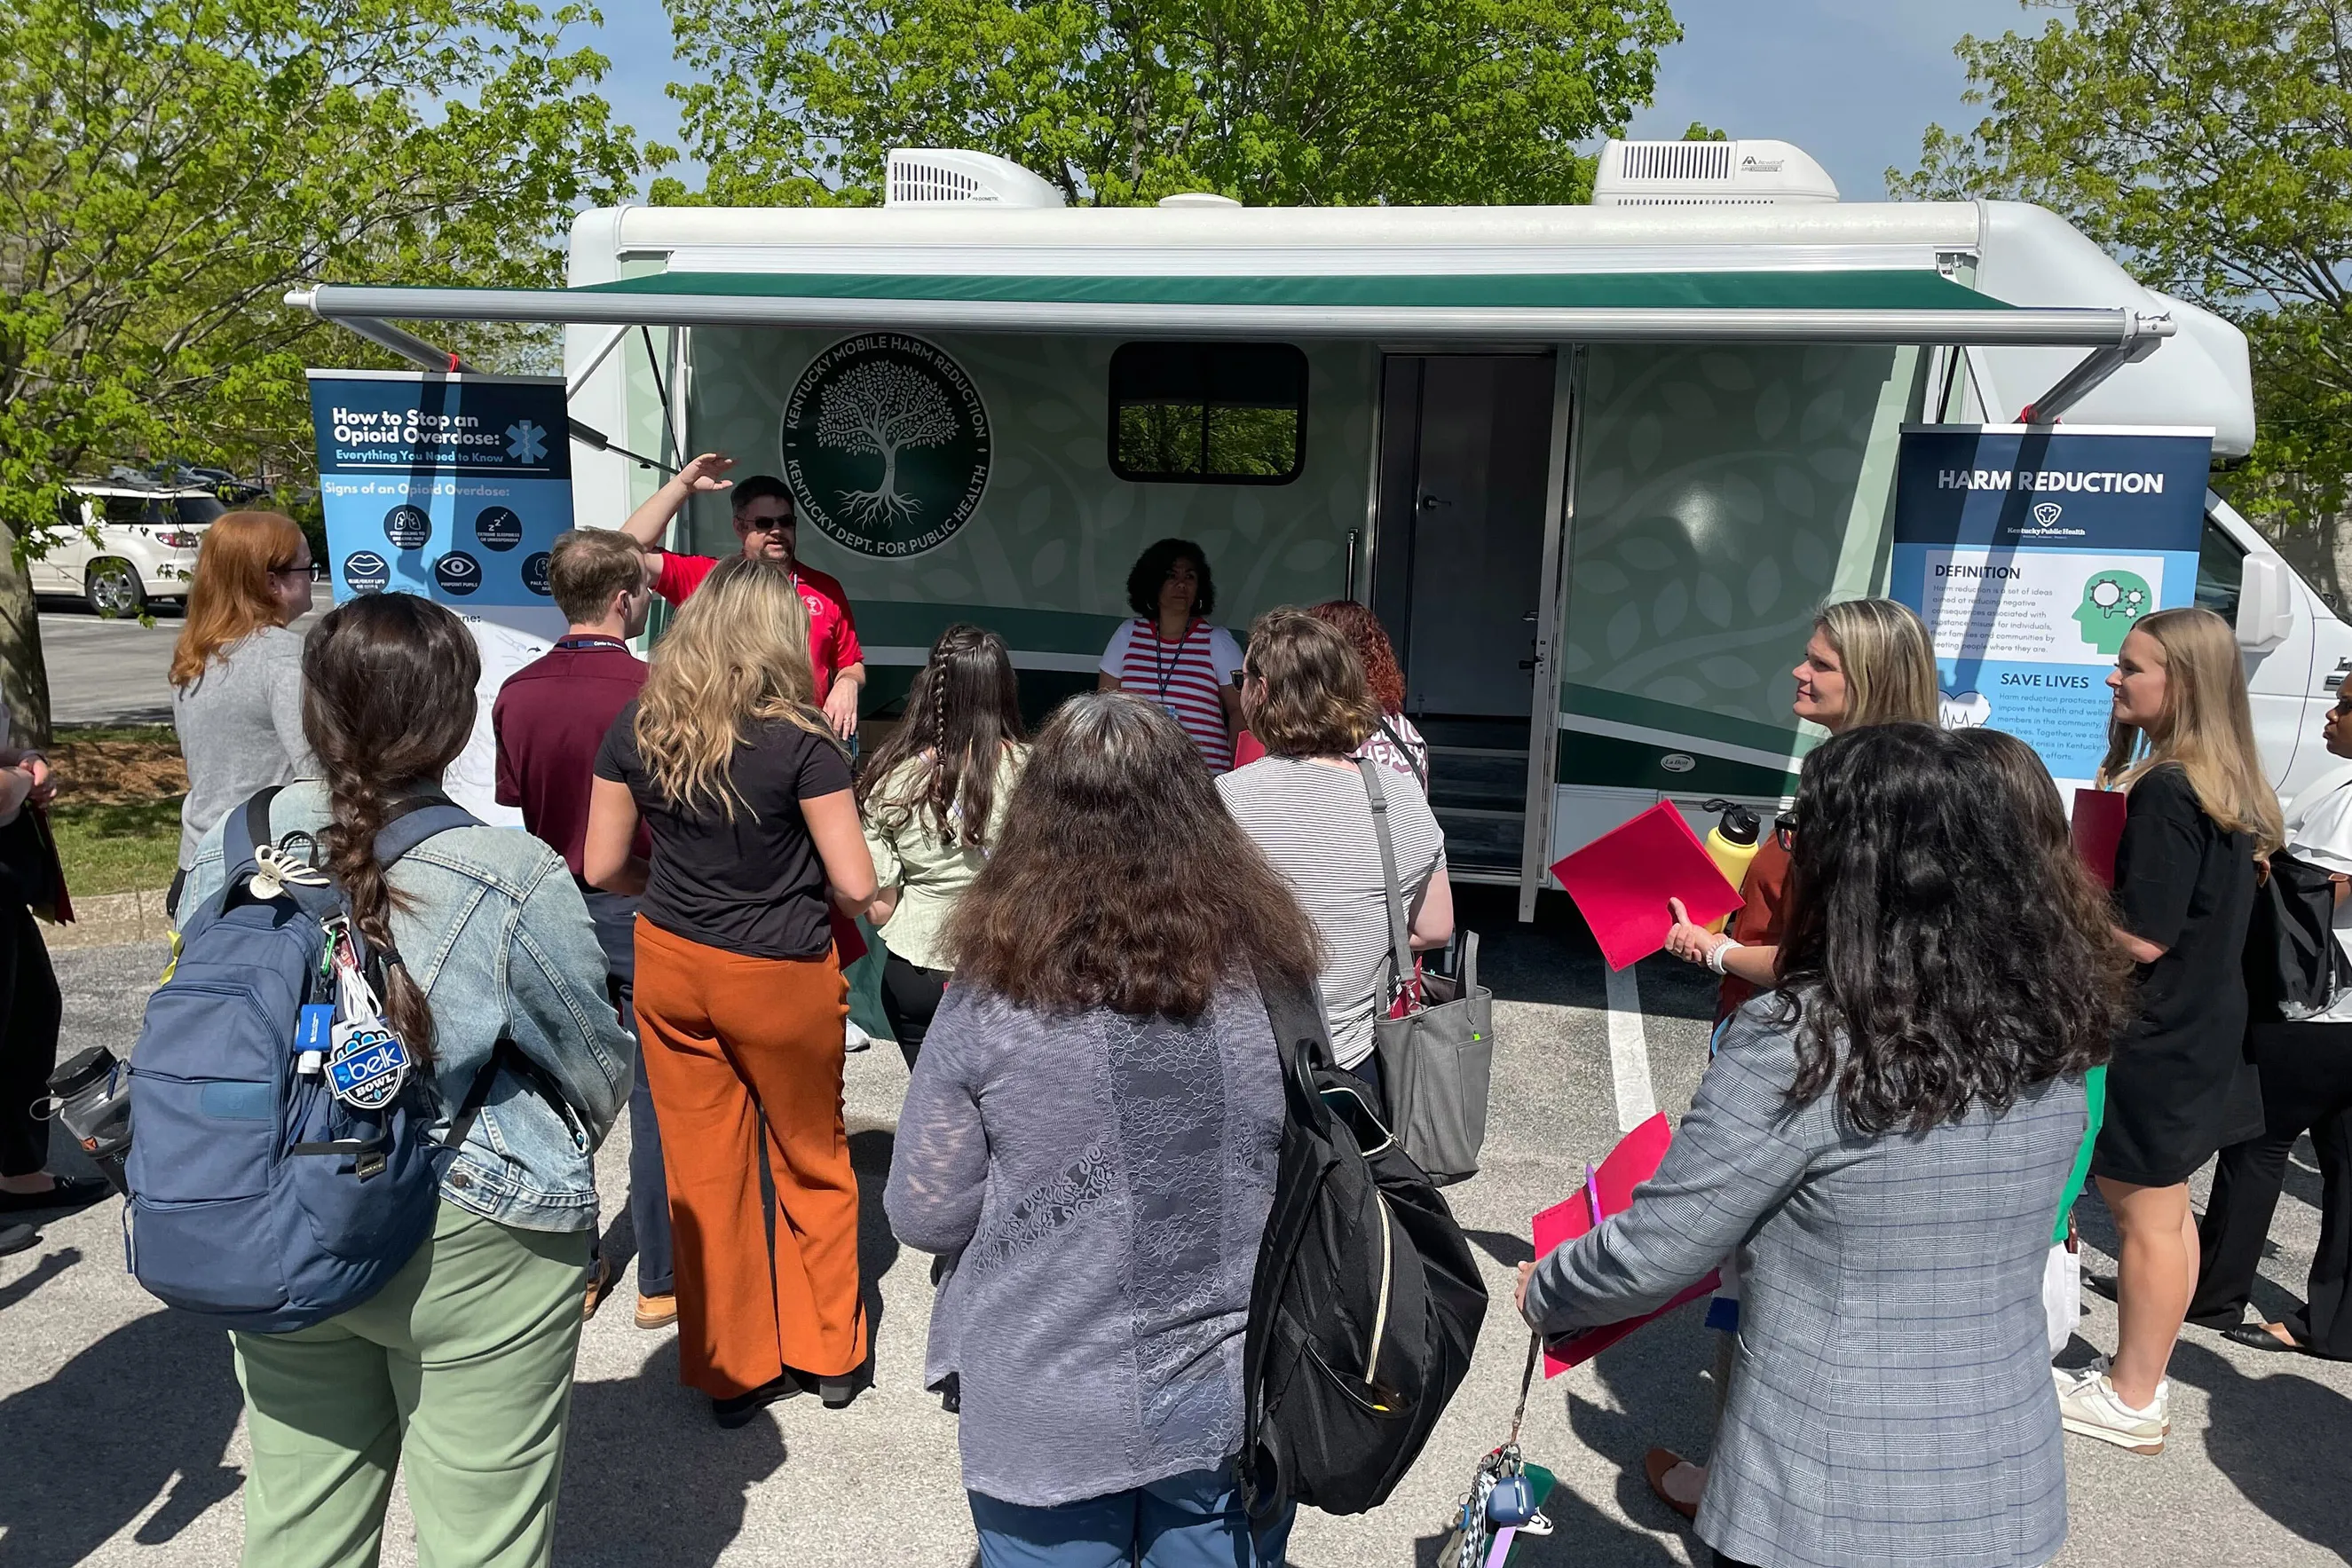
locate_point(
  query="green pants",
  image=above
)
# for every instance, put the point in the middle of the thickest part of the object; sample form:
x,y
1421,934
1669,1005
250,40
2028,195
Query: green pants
x,y
459,1371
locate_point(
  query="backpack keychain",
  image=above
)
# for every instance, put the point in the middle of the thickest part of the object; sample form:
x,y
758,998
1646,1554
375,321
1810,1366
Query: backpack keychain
x,y
365,1063
1502,1499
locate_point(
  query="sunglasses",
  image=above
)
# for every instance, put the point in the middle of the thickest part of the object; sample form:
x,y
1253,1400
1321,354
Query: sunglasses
x,y
767,524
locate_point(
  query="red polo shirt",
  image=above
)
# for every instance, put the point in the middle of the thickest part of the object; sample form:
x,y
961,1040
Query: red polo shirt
x,y
549,720
832,631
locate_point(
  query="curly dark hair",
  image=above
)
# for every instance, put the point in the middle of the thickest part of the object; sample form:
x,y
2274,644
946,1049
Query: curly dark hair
x,y
1151,568
1094,895
1939,955
962,710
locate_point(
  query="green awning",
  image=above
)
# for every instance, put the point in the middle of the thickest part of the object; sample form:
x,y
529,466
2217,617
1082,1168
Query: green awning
x,y
1757,290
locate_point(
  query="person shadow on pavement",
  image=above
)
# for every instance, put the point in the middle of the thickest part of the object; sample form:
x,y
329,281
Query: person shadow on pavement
x,y
145,1413
649,1478
2265,1432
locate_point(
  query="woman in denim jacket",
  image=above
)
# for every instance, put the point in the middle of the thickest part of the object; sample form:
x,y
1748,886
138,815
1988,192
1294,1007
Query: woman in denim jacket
x,y
460,1369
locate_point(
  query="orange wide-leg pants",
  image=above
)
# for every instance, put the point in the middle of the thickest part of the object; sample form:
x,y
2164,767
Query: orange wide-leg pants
x,y
744,1057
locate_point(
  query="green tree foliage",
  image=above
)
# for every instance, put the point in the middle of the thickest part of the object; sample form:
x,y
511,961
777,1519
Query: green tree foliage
x,y
1269,101
169,168
2209,142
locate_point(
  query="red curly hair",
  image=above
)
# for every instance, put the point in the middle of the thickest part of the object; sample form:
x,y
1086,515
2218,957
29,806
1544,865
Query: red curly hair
x,y
1363,632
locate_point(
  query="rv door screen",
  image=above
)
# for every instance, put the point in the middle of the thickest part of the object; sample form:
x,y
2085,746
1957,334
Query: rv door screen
x,y
1461,543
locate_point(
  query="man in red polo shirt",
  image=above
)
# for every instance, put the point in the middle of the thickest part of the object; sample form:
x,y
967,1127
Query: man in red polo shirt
x,y
764,523
549,720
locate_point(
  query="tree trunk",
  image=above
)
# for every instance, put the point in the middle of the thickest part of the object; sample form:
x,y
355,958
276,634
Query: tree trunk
x,y
24,674
888,488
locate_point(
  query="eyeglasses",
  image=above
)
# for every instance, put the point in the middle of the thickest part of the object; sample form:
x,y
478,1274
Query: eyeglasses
x,y
302,571
767,524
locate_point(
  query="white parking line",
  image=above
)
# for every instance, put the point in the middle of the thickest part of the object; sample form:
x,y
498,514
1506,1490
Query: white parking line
x,y
1629,1051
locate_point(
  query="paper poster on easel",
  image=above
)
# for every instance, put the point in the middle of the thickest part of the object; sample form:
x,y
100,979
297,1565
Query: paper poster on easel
x,y
2031,552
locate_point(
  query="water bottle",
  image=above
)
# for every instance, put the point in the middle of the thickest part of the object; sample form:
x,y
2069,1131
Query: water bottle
x,y
91,1094
1732,842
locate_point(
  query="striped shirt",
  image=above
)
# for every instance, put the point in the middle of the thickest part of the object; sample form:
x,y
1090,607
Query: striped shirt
x,y
1314,821
1182,678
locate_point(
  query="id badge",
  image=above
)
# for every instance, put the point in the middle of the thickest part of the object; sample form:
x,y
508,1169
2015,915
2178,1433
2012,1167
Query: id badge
x,y
368,1066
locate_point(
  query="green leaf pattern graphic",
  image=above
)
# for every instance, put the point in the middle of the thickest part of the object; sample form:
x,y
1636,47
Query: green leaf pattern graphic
x,y
1056,529
1716,493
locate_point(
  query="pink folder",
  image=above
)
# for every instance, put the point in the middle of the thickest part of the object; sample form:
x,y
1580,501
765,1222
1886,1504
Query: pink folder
x,y
1622,879
1634,1161
2097,826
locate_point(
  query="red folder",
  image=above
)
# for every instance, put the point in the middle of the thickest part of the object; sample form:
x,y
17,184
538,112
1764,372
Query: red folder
x,y
2097,826
1622,879
848,942
1634,1161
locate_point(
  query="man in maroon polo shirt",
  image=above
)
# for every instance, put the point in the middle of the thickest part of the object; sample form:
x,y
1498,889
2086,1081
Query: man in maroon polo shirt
x,y
550,718
765,525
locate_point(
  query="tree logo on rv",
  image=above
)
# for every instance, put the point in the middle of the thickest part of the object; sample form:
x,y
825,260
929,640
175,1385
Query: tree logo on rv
x,y
885,445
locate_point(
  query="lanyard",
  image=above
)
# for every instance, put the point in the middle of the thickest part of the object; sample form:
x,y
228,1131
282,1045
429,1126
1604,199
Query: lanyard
x,y
582,644
1166,670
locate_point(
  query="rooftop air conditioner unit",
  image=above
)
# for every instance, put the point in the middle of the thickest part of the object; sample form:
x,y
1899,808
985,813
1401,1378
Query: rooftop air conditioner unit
x,y
1709,173
948,177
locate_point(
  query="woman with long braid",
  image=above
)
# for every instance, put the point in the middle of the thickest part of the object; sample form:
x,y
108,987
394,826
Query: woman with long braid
x,y
932,800
458,1372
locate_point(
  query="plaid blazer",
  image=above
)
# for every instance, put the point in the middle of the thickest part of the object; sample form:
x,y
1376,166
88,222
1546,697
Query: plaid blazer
x,y
1892,1401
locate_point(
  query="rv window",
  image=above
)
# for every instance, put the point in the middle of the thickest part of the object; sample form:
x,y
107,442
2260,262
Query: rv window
x,y
2220,569
1216,413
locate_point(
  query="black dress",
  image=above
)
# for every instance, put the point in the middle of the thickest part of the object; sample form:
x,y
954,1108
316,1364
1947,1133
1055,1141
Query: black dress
x,y
2182,1085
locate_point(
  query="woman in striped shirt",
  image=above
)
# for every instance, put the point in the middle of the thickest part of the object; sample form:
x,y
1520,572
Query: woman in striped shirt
x,y
1171,657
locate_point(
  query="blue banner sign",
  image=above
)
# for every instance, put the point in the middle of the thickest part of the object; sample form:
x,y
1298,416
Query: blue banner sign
x,y
453,486
2030,553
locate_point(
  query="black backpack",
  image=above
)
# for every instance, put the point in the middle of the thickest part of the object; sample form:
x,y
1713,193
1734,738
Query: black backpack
x,y
1367,1301
2294,966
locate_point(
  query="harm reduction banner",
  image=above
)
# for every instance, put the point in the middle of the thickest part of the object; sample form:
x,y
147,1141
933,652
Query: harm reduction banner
x,y
2031,553
452,487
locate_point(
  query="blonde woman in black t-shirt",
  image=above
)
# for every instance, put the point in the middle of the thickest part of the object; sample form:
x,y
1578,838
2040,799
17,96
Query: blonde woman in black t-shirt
x,y
2201,815
740,996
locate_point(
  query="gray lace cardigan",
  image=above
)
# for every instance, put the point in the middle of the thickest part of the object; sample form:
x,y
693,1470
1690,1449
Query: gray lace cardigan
x,y
1099,1184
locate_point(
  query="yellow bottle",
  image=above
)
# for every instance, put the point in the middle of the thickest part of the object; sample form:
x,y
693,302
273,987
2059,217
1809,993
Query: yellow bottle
x,y
1731,843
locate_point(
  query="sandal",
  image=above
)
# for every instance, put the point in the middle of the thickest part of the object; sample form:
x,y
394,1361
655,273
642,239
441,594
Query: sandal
x,y
1660,1463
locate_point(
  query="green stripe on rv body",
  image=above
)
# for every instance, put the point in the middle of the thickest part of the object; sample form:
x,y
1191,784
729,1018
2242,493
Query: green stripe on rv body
x,y
1673,718
1882,290
1601,761
886,623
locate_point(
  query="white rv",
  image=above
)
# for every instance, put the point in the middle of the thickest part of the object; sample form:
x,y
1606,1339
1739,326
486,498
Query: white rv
x,y
1594,467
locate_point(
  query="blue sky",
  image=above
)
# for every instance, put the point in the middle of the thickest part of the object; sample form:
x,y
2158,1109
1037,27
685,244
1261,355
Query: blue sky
x,y
1853,82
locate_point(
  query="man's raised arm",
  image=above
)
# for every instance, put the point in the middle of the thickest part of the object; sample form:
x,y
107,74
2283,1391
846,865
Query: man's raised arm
x,y
649,524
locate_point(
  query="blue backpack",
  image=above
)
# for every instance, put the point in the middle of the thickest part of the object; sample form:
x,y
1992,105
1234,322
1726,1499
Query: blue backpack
x,y
257,1198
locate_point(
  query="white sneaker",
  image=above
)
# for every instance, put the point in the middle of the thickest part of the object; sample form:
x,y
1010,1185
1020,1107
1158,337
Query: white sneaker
x,y
2091,1408
853,1039
2080,1377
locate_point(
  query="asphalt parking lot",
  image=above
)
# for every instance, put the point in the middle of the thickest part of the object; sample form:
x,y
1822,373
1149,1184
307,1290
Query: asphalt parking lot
x,y
124,1443
115,671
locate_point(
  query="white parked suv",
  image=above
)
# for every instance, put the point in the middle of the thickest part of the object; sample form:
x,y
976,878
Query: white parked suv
x,y
122,547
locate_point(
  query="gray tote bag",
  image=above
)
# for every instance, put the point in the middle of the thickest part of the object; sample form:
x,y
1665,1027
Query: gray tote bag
x,y
1438,1060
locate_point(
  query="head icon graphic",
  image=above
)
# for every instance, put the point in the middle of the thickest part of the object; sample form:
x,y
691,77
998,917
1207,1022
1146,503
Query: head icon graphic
x,y
2113,602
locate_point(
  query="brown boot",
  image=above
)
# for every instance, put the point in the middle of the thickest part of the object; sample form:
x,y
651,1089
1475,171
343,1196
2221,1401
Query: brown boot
x,y
657,1312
